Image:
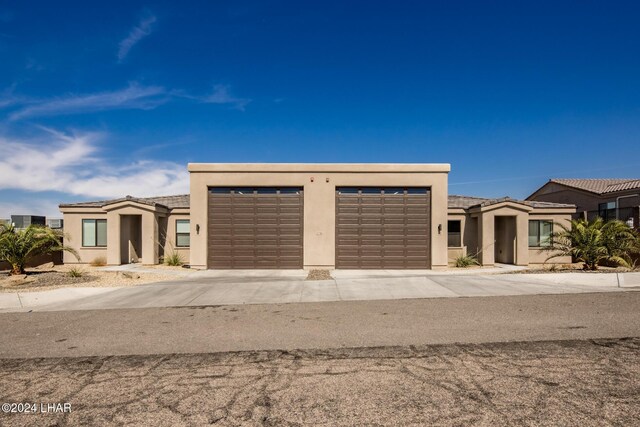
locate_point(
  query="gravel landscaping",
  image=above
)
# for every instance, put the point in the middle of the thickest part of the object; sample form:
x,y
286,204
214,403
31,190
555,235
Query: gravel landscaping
x,y
319,275
59,276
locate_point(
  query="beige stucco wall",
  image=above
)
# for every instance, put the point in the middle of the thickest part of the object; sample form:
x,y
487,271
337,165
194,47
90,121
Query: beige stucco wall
x,y
319,182
73,235
170,244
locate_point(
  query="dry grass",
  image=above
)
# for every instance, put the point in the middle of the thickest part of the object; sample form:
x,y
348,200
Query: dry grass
x,y
99,262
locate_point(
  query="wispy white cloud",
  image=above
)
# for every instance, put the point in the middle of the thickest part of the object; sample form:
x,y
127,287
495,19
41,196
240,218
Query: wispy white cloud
x,y
137,33
134,96
73,164
222,95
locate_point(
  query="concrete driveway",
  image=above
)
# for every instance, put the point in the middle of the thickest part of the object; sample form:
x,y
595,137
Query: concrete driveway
x,y
208,288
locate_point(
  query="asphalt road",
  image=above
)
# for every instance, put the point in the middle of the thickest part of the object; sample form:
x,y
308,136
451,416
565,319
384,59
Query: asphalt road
x,y
319,325
585,383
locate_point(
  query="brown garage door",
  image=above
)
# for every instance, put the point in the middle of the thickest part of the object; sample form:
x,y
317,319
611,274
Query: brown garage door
x,y
383,228
255,227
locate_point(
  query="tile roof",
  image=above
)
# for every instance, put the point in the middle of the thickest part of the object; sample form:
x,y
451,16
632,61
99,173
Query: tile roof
x,y
600,186
182,201
466,202
170,202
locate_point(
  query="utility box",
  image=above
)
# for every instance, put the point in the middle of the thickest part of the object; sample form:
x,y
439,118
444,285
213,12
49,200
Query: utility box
x,y
55,223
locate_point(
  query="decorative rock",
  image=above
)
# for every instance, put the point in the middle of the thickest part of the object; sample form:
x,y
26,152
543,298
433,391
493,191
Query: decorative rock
x,y
45,266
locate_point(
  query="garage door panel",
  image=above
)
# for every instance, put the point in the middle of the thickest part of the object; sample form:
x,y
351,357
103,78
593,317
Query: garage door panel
x,y
389,229
255,228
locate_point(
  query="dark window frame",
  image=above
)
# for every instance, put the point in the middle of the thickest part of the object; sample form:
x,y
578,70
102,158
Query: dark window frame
x,y
459,233
95,221
539,233
183,234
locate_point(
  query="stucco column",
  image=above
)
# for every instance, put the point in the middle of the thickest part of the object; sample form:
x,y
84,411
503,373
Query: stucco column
x,y
319,221
150,238
522,239
113,238
486,238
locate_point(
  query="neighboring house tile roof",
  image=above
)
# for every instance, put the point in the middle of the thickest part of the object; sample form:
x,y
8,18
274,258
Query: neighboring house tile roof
x,y
170,202
466,202
600,186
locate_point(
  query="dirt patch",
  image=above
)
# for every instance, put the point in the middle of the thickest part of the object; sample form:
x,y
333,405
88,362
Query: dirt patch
x,y
586,383
319,275
42,280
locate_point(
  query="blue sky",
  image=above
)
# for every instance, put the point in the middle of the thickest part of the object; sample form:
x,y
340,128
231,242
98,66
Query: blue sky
x,y
104,100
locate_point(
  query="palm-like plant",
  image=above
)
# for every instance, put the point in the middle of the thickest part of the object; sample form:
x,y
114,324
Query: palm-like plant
x,y
17,247
594,242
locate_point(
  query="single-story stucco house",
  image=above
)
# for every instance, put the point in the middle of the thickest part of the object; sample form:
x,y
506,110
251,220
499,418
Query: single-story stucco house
x,y
292,216
607,198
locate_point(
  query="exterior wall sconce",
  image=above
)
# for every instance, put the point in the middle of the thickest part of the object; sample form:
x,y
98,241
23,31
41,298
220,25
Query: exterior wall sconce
x,y
439,228
197,228
327,180
311,179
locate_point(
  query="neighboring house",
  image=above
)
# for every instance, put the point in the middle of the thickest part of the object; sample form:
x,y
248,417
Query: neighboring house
x,y
23,221
607,198
346,216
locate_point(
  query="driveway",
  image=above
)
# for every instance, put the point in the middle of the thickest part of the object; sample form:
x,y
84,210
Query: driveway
x,y
207,288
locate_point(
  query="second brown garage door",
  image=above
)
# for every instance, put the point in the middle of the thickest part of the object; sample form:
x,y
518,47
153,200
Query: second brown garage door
x,y
255,227
383,228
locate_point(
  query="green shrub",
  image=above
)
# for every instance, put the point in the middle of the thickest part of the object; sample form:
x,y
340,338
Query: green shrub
x,y
174,259
75,272
99,261
18,247
596,243
464,261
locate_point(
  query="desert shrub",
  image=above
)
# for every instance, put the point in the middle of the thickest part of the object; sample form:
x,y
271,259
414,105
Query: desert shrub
x,y
75,272
464,261
99,261
174,259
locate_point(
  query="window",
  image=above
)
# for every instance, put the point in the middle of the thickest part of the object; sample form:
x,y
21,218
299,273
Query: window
x,y
607,211
455,236
182,233
540,233
94,232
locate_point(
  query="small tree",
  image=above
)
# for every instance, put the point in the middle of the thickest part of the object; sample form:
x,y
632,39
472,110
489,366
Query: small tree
x,y
18,247
594,242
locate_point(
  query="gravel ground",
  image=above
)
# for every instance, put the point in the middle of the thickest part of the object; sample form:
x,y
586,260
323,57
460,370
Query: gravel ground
x,y
319,275
58,277
584,383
